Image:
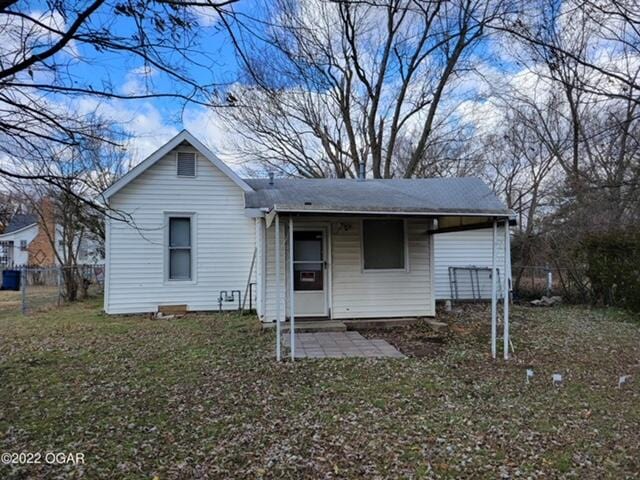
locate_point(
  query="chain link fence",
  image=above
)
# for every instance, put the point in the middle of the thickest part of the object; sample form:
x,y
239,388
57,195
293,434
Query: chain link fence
x,y
42,288
532,282
528,283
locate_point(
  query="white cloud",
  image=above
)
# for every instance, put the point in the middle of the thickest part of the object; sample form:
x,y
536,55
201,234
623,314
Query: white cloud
x,y
137,80
207,125
142,120
150,129
206,16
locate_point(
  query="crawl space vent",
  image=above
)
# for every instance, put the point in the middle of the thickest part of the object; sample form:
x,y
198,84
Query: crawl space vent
x,y
186,165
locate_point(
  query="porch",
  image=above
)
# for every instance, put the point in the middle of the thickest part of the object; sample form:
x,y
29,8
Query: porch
x,y
359,249
317,277
345,267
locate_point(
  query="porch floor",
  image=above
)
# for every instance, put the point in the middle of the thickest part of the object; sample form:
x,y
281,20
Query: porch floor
x,y
340,345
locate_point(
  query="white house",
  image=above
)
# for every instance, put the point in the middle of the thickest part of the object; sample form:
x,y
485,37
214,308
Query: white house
x,y
17,245
322,248
87,247
15,240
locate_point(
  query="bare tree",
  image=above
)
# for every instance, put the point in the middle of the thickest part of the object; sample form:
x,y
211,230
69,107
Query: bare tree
x,y
520,163
67,221
577,115
43,49
607,31
9,205
334,85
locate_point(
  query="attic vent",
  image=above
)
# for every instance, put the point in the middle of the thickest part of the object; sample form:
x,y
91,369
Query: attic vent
x,y
186,164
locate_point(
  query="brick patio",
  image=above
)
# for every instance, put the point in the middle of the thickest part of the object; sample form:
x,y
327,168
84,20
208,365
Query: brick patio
x,y
340,345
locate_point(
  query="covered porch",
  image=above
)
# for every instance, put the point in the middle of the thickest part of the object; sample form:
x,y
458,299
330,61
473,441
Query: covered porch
x,y
361,248
357,267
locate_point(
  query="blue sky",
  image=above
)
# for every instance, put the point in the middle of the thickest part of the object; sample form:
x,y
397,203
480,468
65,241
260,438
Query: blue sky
x,y
153,121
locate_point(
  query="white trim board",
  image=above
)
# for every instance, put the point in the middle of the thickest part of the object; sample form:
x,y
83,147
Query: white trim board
x,y
184,135
390,213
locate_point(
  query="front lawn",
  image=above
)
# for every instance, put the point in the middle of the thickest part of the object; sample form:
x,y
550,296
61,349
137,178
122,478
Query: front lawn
x,y
201,397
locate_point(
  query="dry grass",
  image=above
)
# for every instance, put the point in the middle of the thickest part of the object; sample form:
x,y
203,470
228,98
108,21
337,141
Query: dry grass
x,y
9,302
200,397
38,297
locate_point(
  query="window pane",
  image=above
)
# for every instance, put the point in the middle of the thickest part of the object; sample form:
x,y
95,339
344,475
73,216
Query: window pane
x,y
383,242
179,232
180,264
307,246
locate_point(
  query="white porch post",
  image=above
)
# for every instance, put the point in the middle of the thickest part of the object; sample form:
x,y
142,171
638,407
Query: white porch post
x,y
265,254
278,287
494,289
507,256
292,300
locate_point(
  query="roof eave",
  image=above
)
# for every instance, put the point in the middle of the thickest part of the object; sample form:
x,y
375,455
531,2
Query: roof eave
x,y
388,212
18,230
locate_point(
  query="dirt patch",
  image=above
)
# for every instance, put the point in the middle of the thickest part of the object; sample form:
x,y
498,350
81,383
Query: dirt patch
x,y
413,340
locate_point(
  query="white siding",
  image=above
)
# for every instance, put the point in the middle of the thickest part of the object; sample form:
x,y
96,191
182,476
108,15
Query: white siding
x,y
270,287
223,242
20,257
260,267
463,249
358,294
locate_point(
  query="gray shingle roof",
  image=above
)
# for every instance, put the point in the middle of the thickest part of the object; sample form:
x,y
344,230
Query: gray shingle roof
x,y
427,195
20,220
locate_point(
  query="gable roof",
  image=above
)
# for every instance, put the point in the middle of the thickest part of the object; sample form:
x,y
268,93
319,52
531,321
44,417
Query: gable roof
x,y
183,136
438,196
20,221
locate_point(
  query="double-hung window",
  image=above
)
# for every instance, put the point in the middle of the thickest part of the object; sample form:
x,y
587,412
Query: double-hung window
x,y
383,244
180,248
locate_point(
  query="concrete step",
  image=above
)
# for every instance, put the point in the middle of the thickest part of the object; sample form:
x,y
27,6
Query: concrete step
x,y
438,327
303,326
366,323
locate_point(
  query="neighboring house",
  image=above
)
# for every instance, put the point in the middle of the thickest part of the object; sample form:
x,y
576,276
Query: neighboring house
x,y
361,248
462,260
25,243
88,248
16,238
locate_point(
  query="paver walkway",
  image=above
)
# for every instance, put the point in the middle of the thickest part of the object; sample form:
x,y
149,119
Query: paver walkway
x,y
340,345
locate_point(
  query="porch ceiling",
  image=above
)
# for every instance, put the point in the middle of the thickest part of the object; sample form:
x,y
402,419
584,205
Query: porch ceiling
x,y
445,223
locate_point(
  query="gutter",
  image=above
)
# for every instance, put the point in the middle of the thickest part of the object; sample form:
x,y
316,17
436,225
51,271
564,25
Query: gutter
x,y
18,230
489,213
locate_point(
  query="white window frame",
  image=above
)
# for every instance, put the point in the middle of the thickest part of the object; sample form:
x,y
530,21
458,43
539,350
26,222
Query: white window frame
x,y
195,164
406,247
194,250
25,247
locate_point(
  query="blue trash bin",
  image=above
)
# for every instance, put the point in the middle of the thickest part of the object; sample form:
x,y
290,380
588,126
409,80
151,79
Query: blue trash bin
x,y
11,280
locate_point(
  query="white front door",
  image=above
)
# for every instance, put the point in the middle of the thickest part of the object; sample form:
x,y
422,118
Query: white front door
x,y
309,270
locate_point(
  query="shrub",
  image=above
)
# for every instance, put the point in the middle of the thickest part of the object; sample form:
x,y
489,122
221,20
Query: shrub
x,y
613,267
